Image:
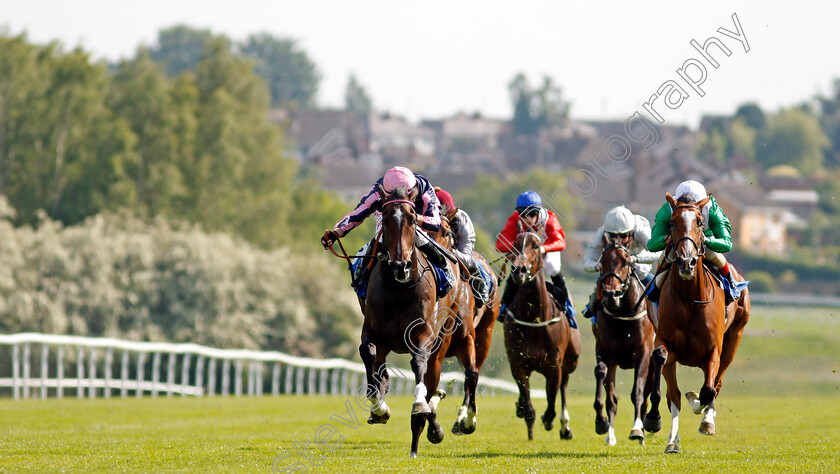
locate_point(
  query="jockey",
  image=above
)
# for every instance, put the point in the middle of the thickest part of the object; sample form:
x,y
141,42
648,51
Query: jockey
x,y
428,215
717,239
629,230
464,234
531,216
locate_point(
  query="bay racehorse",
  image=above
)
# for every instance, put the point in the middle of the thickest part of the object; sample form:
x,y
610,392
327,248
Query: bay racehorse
x,y
694,326
623,338
401,315
538,337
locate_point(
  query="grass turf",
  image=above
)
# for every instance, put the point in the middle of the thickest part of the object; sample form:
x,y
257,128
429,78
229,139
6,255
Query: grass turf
x,y
778,411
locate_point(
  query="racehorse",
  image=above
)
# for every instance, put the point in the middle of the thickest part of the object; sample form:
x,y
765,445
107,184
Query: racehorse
x,y
401,315
623,338
538,337
466,335
694,328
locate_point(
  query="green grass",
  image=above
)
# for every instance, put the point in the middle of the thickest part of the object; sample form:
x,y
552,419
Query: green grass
x,y
782,434
779,411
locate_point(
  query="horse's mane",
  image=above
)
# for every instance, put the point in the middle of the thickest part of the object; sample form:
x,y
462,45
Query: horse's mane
x,y
400,192
686,199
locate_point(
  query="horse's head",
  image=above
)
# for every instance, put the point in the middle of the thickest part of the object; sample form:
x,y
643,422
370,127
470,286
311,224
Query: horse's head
x,y
398,226
525,260
687,227
615,276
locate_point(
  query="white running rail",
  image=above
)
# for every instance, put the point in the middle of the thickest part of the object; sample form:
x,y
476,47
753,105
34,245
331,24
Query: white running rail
x,y
44,365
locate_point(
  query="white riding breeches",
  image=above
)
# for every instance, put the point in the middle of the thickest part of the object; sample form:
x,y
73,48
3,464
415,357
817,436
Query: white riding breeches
x,y
551,264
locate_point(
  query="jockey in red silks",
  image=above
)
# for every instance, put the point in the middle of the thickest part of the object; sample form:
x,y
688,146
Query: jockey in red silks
x,y
463,232
398,181
530,216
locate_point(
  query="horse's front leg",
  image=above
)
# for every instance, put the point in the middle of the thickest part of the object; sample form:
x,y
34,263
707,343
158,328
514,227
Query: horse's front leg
x,y
552,386
705,402
612,404
420,409
601,423
465,423
669,372
524,408
640,377
653,420
376,379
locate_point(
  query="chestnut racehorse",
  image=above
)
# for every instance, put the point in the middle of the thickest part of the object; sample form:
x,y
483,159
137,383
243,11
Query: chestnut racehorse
x,y
538,337
623,338
694,327
401,315
465,335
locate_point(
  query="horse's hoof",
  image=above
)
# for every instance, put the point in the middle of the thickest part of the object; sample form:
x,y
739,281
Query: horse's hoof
x,y
548,424
672,448
602,426
567,434
375,419
707,428
420,408
652,425
440,393
435,434
467,429
637,434
413,455
694,402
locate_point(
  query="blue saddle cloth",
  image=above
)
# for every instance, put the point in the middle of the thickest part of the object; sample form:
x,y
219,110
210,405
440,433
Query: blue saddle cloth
x,y
485,275
443,284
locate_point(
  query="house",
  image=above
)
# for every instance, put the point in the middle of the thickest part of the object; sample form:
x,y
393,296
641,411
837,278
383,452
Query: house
x,y
400,142
758,225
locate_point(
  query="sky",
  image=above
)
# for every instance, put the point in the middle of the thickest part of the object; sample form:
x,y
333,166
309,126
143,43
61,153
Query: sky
x,y
432,59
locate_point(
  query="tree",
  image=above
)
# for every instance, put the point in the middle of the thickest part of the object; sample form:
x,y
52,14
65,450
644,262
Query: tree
x,y
534,109
142,95
291,76
356,98
830,122
794,138
181,48
752,115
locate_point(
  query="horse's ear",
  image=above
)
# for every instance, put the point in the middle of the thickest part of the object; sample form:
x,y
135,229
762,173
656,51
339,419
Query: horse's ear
x,y
451,213
382,194
412,193
604,239
704,201
670,199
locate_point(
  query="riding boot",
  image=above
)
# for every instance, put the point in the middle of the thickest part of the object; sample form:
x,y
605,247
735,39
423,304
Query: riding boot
x,y
591,308
733,293
558,290
362,270
559,282
653,294
477,283
437,258
507,299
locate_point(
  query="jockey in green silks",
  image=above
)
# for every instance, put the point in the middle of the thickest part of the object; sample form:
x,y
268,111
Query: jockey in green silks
x,y
718,237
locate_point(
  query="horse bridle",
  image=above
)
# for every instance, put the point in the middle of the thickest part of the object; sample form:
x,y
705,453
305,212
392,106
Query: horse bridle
x,y
701,249
387,254
532,271
624,283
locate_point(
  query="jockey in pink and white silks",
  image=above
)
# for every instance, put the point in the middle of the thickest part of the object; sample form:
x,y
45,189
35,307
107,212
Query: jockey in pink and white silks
x,y
629,230
397,181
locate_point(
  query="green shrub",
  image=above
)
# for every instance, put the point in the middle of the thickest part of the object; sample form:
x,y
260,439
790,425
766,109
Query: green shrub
x,y
761,281
117,276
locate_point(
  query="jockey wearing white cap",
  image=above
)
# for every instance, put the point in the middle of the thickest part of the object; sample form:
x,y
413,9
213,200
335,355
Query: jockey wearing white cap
x,y
718,235
629,230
